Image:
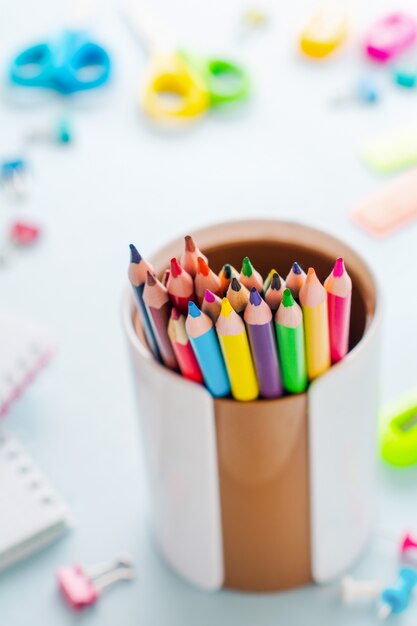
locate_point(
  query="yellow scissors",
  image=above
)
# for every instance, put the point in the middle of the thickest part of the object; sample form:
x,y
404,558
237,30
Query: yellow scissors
x,y
181,86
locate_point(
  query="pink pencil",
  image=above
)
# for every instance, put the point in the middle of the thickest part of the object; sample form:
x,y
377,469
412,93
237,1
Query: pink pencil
x,y
339,296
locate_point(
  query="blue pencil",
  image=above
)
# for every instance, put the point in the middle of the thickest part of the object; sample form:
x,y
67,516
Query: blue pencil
x,y
206,347
138,268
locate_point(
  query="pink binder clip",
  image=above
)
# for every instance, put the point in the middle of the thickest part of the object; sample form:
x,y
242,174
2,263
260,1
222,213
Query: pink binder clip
x,y
390,36
81,586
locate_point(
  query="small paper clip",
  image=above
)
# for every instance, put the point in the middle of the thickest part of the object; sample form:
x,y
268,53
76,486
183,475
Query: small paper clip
x,y
353,590
81,586
396,599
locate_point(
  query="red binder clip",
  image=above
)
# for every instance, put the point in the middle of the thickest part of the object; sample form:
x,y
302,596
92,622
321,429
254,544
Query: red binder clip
x,y
81,586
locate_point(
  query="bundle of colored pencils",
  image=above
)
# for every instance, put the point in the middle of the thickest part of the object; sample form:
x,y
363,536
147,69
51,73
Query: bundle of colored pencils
x,y
240,335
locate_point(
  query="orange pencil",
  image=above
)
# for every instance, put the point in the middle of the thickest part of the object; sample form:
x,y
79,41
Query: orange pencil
x,y
237,295
212,305
226,274
205,279
295,280
275,291
158,305
249,277
190,255
180,287
182,347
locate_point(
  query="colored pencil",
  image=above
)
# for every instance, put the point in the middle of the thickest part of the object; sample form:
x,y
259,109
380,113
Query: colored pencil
x,y
190,255
180,287
158,305
206,347
205,279
268,279
258,318
236,352
211,305
290,337
237,295
295,279
226,274
339,297
274,293
165,277
183,350
249,277
137,276
313,298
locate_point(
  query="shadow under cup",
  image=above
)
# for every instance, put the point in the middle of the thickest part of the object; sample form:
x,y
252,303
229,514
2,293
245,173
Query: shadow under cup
x,y
269,494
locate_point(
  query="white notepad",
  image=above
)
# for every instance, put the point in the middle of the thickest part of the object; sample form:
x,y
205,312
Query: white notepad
x,y
24,349
32,514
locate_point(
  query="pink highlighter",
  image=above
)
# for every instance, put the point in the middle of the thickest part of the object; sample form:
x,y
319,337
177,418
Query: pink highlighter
x,y
390,36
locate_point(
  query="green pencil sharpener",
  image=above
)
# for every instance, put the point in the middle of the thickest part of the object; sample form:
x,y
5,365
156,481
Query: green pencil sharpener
x,y
399,432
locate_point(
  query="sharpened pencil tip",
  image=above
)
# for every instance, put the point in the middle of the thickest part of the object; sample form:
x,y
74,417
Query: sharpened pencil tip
x,y
287,298
339,267
203,268
235,284
150,280
296,268
193,309
189,243
209,296
176,268
228,271
135,257
226,308
247,268
254,297
276,282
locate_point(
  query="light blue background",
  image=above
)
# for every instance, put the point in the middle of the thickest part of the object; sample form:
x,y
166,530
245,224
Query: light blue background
x,y
290,154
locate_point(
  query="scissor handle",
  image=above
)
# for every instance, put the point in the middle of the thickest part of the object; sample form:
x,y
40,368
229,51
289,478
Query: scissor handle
x,y
226,81
90,66
70,63
31,68
174,92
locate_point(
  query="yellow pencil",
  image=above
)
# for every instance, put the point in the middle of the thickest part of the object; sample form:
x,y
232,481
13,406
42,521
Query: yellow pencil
x,y
313,298
236,352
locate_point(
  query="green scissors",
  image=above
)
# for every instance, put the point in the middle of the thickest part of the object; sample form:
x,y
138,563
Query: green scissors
x,y
181,86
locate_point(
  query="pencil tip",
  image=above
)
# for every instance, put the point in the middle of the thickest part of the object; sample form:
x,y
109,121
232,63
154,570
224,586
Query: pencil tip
x,y
209,296
135,257
287,298
296,268
203,268
247,268
339,267
189,243
193,309
235,284
150,280
176,268
227,271
254,297
226,308
276,281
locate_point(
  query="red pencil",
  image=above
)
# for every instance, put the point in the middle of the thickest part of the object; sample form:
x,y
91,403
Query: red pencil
x,y
182,347
180,287
156,299
205,279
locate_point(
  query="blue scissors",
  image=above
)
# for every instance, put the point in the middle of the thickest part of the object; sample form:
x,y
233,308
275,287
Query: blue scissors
x,y
69,63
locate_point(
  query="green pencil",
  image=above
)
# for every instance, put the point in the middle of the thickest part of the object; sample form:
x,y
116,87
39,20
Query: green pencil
x,y
290,337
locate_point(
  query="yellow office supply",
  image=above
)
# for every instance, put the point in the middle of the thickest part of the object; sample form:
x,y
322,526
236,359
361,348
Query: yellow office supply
x,y
236,352
313,298
324,31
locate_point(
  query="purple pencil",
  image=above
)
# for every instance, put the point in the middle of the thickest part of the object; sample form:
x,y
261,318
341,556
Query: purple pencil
x,y
258,318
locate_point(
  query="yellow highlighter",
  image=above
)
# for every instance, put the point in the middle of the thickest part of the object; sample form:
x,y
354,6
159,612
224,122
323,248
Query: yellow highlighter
x,y
313,298
236,353
325,30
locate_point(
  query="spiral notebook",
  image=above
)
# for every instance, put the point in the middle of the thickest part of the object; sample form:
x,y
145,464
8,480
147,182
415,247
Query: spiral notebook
x,y
24,349
32,514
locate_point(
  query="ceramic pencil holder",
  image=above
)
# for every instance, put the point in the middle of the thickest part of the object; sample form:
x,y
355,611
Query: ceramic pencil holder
x,y
269,494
